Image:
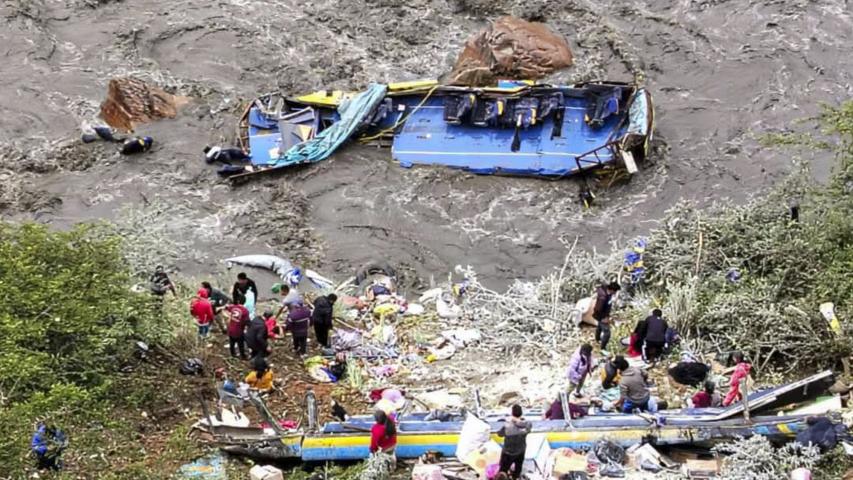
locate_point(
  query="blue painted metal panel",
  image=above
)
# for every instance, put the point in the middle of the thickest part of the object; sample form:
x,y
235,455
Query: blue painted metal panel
x,y
426,139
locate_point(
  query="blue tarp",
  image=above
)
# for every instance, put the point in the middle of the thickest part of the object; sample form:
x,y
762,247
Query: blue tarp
x,y
352,113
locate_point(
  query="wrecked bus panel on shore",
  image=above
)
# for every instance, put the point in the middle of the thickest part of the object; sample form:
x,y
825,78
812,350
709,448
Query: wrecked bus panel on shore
x,y
416,436
516,128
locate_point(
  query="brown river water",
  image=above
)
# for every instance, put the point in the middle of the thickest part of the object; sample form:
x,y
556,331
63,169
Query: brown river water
x,y
723,73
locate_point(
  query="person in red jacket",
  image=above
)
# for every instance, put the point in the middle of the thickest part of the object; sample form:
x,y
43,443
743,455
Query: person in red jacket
x,y
202,311
238,320
383,434
741,372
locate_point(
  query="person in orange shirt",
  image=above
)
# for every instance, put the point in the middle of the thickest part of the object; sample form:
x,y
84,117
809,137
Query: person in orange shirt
x,y
261,378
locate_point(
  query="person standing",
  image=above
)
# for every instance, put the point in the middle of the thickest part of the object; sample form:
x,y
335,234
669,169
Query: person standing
x,y
580,366
655,338
238,321
322,317
241,286
257,338
514,432
601,312
202,311
742,369
219,300
383,435
298,321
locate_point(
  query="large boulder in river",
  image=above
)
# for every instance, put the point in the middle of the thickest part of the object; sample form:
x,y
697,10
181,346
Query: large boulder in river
x,y
510,48
131,101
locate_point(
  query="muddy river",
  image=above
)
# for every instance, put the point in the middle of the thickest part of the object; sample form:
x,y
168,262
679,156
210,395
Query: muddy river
x,y
723,73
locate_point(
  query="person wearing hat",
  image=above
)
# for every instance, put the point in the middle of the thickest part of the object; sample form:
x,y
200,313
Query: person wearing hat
x,y
136,145
202,311
601,312
298,322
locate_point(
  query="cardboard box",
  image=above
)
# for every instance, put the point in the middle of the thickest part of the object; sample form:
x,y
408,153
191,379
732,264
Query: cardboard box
x,y
537,454
701,469
265,472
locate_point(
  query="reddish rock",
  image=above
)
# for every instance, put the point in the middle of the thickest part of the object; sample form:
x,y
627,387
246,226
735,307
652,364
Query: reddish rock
x,y
510,48
131,101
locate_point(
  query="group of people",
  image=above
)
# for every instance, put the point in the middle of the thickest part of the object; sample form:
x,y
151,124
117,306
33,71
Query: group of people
x,y
235,317
634,393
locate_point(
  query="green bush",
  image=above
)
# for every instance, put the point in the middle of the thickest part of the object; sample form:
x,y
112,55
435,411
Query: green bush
x,y
67,325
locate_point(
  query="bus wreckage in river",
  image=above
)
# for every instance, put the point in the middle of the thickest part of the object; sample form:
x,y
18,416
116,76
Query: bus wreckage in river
x,y
515,128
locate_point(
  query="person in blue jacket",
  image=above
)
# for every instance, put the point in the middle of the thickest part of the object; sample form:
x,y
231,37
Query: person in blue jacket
x,y
47,445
